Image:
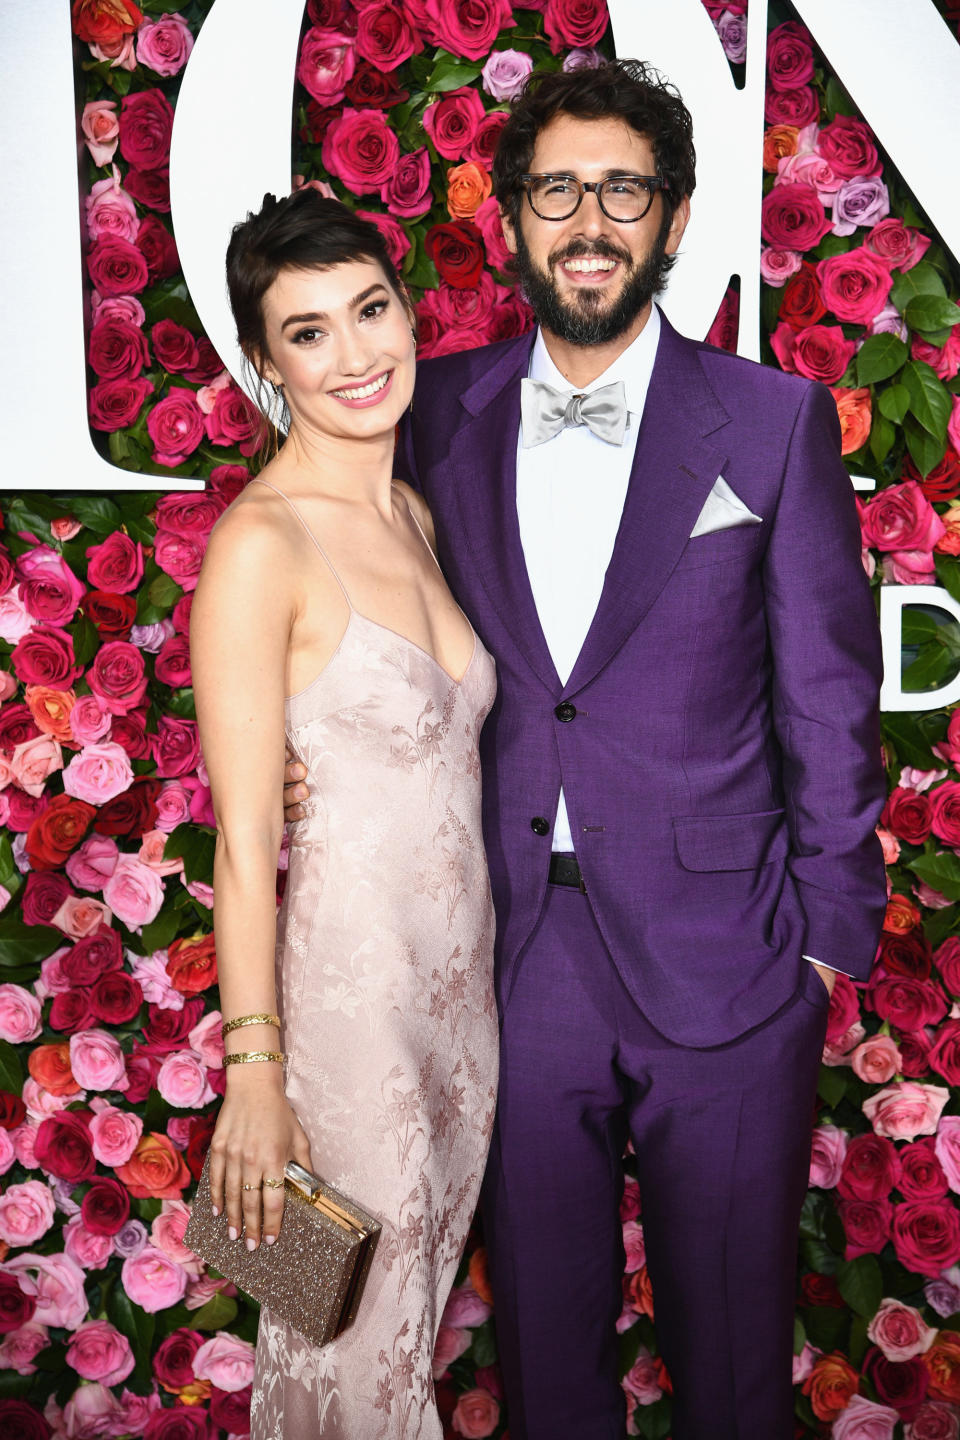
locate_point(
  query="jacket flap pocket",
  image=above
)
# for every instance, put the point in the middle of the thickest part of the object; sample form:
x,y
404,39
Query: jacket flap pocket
x,y
731,842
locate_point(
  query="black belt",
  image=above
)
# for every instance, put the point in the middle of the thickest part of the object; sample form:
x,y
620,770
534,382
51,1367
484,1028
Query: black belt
x,y
564,870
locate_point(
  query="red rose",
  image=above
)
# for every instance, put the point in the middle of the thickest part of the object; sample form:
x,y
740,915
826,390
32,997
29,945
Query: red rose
x,y
370,86
926,1236
118,676
44,893
181,1422
943,481
854,285
149,187
16,725
793,217
173,1361
175,746
158,248
914,1054
173,662
115,404
922,1176
319,119
106,1206
908,954
453,120
789,56
192,963
226,482
45,657
802,304
469,27
175,426
791,107
457,251
230,1410
573,24
16,1308
129,731
57,831
113,615
900,1383
234,421
92,956
116,267
821,1290
118,348
103,22
385,36
866,1224
361,149
331,14
945,802
947,959
63,1146
907,814
7,573
70,1011
168,1029
201,1133
847,146
907,1004
13,1112
818,352
116,997
132,813
871,1168
174,346
18,1417
945,1053
115,564
146,123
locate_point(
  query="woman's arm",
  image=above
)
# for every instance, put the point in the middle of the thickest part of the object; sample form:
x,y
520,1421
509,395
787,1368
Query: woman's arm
x,y
240,625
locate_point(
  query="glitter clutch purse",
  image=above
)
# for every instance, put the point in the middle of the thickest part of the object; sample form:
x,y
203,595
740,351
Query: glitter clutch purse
x,y
314,1274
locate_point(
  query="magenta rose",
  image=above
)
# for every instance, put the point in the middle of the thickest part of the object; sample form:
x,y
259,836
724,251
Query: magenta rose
x,y
789,56
92,956
63,1146
572,24
797,107
945,1053
150,188
189,514
407,191
179,557
106,1206
926,1235
164,46
855,285
847,146
327,61
45,657
231,1411
483,146
115,404
175,426
173,1360
398,241
176,349
48,587
794,218
452,122
115,564
98,1351
118,350
71,1011
933,1421
173,662
819,352
115,998
361,149
385,36
234,421
118,676
45,892
117,267
16,1306
945,812
175,746
158,248
146,123
866,1224
901,518
469,27
907,1003
488,221
871,1168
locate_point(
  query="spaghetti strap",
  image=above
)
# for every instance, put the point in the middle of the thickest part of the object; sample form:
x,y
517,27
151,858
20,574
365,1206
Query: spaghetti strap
x,y
259,480
422,535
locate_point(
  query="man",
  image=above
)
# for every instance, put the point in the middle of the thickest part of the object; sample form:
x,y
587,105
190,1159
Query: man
x,y
658,542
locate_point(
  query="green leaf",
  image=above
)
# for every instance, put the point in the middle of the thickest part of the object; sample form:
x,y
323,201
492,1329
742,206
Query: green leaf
x,y
450,72
922,279
940,872
894,402
879,357
10,876
826,1325
483,1349
799,1335
831,1085
838,101
882,437
929,398
928,670
86,640
218,1313
11,1071
653,1421
917,626
832,245
900,729
181,702
96,512
938,924
931,313
859,1343
195,845
158,934
164,591
861,1284
925,450
26,944
138,1327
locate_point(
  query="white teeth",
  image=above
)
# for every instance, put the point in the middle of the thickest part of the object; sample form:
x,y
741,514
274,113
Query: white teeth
x,y
362,391
589,266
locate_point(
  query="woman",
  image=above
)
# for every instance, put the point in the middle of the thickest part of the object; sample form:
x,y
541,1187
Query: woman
x,y
321,619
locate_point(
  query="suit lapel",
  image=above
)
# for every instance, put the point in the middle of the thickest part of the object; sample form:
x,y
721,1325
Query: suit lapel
x,y
674,469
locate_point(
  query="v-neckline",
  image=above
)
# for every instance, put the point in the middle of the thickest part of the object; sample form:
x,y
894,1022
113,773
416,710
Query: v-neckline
x,y
397,635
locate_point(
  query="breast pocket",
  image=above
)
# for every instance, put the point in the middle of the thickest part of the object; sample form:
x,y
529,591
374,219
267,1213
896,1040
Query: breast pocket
x,y
738,543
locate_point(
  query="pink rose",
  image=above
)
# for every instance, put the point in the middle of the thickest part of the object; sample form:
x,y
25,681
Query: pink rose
x,y
854,285
477,1414
407,190
452,121
901,518
173,806
451,1343
90,1250
569,23
793,218
152,845
175,426
905,1110
953,424
947,1147
828,1150
398,241
98,1351
167,1233
900,1331
118,676
114,1134
464,1308
226,1361
154,1281
56,1282
15,619
863,1420
327,62
110,211
97,1061
92,1411
26,1212
847,144
21,1346
642,1380
115,564
206,1039
487,220
134,892
505,73
19,1014
808,169
48,587
776,266
361,149
897,245
164,46
877,1060
98,773
179,557
385,35
90,866
32,761
182,1080
100,129
934,1421
80,915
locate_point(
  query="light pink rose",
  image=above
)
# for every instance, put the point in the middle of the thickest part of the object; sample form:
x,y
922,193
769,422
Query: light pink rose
x,y
33,760
226,1361
182,1080
633,1244
98,773
92,863
863,1420
26,1212
81,915
173,806
905,1110
151,972
56,1282
120,54
464,1308
207,1040
115,1134
451,1343
19,1014
953,424
151,853
909,567
135,1412
201,891
476,1414
21,1346
8,1151
164,45
98,1351
947,1147
877,1060
505,72
100,129
134,892
641,1379
24,1144
52,979
809,169
15,619
829,1146
804,1362
90,1251
934,1421
202,1289
776,266
41,1103
111,211
900,1331
8,685
167,1232
152,1280
91,1411
89,720
97,1061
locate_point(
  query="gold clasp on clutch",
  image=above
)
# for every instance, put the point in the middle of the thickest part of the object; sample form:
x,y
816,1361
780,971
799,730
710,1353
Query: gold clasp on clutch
x,y
302,1180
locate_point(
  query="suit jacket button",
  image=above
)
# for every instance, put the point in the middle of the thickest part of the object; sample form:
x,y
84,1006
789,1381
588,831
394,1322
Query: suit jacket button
x,y
565,711
539,826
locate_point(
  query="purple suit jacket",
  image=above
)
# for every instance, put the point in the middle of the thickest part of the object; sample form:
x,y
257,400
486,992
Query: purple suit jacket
x,y
722,771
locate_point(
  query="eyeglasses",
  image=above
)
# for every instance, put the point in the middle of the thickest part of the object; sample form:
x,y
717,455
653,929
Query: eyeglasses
x,y
623,198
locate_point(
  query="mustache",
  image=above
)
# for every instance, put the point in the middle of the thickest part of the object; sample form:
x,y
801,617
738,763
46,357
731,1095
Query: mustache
x,y
578,248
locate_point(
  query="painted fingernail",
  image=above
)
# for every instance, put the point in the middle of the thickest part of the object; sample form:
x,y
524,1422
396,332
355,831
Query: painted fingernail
x,y
215,1209
232,1232
302,792
270,1239
251,1243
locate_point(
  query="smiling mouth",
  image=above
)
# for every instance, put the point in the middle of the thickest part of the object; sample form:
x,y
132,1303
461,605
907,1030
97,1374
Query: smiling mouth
x,y
588,265
364,392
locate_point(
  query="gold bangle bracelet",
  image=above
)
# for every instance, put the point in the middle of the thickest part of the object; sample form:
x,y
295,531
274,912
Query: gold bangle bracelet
x,y
242,1020
246,1057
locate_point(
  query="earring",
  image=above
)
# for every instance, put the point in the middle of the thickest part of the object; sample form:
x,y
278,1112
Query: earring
x,y
277,389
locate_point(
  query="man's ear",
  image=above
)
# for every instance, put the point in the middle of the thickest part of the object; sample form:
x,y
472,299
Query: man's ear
x,y
509,231
678,224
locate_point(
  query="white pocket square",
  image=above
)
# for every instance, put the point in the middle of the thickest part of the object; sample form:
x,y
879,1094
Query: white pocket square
x,y
722,511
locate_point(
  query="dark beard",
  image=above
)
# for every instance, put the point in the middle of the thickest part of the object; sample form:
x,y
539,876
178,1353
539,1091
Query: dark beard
x,y
583,322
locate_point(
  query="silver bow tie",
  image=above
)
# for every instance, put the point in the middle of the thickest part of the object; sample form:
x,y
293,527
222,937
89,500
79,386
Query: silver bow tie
x,y
545,411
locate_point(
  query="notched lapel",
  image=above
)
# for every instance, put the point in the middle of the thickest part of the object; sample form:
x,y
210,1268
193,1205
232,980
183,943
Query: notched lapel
x,y
674,470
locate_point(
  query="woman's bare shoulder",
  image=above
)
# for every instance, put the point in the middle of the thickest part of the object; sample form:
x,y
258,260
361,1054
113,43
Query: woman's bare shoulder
x,y
419,509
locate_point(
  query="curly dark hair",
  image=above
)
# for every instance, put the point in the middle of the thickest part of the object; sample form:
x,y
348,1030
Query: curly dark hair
x,y
628,90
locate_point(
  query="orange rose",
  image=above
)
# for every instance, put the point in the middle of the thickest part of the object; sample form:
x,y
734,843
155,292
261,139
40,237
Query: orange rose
x,y
943,1362
663,1376
853,407
192,964
779,141
51,711
949,544
468,185
479,1276
193,1394
155,1169
830,1385
902,915
103,21
50,1067
638,1291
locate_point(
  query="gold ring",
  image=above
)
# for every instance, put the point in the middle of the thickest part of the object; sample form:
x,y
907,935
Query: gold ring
x,y
273,1184
251,1187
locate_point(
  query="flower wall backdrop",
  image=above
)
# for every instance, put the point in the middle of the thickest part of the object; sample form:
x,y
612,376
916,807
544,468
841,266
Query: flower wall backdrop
x,y
110,1054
